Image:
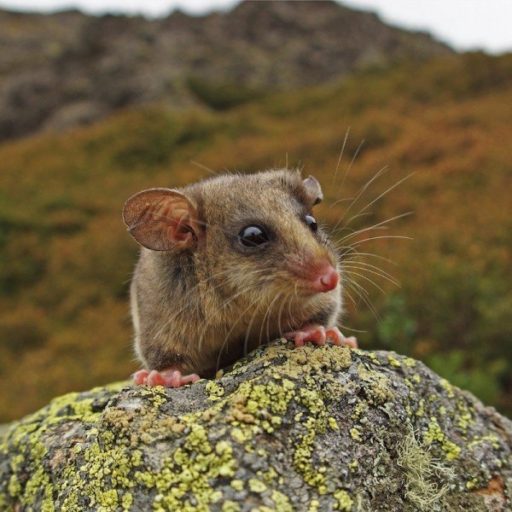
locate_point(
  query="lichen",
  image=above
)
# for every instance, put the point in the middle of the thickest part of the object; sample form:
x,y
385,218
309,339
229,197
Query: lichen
x,y
422,475
343,500
434,433
355,434
310,428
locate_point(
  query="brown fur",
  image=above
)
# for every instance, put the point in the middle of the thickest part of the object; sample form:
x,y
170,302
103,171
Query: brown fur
x,y
200,308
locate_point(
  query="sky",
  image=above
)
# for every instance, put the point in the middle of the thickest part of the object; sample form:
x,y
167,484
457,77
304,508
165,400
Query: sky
x,y
464,24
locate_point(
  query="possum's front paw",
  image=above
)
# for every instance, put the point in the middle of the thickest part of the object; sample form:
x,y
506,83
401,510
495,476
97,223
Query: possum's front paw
x,y
318,335
170,378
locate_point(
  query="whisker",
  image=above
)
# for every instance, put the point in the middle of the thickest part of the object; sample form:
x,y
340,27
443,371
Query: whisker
x,y
371,281
364,265
363,295
204,168
279,318
388,278
351,329
342,200
392,187
340,155
248,330
358,149
240,317
266,318
399,237
345,291
362,190
374,226
354,253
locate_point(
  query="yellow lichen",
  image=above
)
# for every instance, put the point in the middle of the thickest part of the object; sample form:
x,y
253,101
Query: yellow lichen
x,y
281,501
230,506
378,386
238,485
114,454
215,390
409,362
256,486
420,411
343,500
447,387
393,361
360,408
434,433
314,506
492,439
355,434
333,423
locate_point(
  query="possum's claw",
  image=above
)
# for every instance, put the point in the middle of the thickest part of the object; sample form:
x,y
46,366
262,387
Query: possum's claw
x,y
339,339
314,333
170,378
318,335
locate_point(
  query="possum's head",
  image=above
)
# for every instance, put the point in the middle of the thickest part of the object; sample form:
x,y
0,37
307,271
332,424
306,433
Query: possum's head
x,y
251,236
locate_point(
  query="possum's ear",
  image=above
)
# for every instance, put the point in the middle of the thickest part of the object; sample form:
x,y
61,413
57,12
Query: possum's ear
x,y
162,219
313,190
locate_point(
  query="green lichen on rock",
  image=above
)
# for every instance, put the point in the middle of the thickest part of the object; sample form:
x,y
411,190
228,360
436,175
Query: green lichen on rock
x,y
310,428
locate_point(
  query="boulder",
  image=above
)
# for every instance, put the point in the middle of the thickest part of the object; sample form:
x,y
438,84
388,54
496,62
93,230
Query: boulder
x,y
310,428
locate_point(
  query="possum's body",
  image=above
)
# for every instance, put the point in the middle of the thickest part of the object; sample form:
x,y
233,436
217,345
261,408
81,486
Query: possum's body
x,y
246,263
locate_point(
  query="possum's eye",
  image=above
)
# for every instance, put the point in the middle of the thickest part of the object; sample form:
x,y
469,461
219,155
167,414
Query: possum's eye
x,y
311,222
252,236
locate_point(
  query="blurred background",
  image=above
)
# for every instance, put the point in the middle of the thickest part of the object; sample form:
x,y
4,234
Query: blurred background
x,y
406,111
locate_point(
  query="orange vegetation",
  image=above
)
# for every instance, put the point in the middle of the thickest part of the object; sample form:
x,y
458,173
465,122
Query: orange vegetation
x,y
66,258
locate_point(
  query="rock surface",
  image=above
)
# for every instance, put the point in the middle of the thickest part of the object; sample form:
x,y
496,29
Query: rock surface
x,y
314,428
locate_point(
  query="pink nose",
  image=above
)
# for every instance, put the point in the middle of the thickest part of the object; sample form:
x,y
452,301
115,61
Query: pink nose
x,y
327,280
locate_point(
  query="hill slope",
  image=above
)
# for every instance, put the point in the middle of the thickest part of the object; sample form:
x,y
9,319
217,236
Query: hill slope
x,y
68,258
65,69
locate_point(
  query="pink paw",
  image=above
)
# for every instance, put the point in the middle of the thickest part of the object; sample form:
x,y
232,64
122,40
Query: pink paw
x,y
167,378
318,335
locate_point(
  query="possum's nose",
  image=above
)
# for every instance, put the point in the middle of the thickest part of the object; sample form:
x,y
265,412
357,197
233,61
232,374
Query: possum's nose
x,y
327,279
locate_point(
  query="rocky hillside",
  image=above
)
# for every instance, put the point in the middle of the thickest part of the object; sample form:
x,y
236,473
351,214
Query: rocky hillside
x,y
66,258
65,69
